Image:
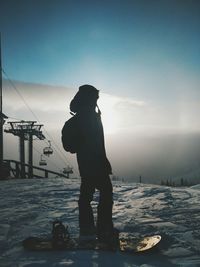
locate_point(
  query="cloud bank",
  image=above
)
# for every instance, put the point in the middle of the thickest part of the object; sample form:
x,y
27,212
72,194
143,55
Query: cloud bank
x,y
142,137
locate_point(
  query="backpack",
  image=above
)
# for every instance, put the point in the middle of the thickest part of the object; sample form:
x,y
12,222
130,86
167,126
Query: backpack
x,y
71,138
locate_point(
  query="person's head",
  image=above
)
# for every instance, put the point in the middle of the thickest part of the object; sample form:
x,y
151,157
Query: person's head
x,y
85,99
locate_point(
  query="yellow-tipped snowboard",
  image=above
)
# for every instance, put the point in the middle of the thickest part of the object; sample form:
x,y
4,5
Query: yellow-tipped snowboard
x,y
61,240
125,244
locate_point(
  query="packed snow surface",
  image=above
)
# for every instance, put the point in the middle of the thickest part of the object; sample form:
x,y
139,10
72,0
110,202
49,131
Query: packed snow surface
x,y
29,206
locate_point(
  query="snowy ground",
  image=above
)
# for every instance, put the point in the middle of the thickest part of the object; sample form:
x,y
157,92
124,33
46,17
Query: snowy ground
x,y
27,207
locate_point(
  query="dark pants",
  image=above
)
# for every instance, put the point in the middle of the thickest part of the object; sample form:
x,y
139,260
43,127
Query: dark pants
x,y
104,210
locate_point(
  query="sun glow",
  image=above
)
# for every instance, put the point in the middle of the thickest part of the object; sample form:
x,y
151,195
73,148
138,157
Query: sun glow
x,y
119,114
110,116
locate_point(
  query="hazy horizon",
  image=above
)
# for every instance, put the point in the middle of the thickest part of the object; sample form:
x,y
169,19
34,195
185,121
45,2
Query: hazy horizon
x,y
148,150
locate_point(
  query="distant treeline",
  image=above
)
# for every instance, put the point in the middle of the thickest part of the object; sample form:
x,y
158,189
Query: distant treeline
x,y
117,178
181,182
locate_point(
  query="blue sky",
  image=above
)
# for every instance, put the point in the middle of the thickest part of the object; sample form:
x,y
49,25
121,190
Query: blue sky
x,y
123,47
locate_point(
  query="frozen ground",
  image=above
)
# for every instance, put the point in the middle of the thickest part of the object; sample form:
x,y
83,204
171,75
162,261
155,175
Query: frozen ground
x,y
27,207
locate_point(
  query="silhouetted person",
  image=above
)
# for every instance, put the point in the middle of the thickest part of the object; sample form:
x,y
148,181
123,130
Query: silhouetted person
x,y
93,165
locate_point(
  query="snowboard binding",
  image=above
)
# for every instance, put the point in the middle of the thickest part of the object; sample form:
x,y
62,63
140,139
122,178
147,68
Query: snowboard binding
x,y
60,235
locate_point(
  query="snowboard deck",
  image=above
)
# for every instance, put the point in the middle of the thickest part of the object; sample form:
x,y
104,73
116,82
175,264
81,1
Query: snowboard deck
x,y
124,245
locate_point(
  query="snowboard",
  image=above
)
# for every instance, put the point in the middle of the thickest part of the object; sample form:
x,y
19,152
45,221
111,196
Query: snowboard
x,y
124,244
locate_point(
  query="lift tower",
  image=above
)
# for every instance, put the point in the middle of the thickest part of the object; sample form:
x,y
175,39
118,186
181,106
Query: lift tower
x,y
25,130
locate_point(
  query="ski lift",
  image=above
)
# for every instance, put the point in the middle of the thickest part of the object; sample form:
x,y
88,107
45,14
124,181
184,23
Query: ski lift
x,y
68,170
42,161
47,151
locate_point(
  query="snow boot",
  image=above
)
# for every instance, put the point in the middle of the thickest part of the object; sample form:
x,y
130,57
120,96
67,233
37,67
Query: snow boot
x,y
60,235
109,239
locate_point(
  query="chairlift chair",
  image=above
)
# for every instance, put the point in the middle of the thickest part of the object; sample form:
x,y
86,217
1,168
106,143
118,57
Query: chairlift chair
x,y
42,161
67,170
47,151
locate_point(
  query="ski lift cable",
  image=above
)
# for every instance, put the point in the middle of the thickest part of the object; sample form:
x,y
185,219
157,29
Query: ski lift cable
x,y
11,82
17,119
21,96
12,118
40,145
57,148
48,159
58,168
42,161
42,158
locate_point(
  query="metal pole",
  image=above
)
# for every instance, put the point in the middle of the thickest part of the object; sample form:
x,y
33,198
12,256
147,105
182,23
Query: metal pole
x,y
22,155
30,159
1,117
